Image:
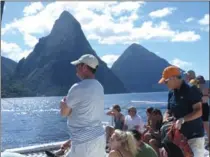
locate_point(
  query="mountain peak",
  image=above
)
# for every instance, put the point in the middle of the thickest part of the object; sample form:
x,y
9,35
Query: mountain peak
x,y
136,48
65,15
65,23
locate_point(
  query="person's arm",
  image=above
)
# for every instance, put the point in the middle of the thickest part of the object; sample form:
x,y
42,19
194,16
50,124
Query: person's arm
x,y
195,97
196,101
66,145
123,120
125,126
206,92
140,125
64,109
197,112
110,113
167,113
72,98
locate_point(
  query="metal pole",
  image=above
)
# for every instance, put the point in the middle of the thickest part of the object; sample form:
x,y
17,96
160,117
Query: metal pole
x,y
2,8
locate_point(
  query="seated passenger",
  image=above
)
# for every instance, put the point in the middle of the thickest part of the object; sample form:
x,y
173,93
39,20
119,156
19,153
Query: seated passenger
x,y
152,136
122,144
148,113
133,120
118,121
144,150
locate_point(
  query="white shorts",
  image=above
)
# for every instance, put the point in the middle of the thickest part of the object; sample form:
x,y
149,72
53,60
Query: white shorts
x,y
197,146
94,148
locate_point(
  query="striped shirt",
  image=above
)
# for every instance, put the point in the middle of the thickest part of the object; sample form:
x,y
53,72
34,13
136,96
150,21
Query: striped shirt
x,y
86,99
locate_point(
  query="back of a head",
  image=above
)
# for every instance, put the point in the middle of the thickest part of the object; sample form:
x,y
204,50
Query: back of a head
x,y
157,112
136,134
201,79
131,143
150,109
191,74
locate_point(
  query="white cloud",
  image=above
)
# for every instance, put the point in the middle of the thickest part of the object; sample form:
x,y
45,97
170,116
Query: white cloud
x,y
181,64
204,20
147,31
190,19
189,36
13,51
30,40
162,12
110,59
33,8
105,22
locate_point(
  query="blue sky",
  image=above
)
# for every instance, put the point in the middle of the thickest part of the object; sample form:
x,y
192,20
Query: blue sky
x,y
176,31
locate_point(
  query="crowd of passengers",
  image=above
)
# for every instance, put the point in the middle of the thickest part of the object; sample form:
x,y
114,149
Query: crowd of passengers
x,y
168,135
165,136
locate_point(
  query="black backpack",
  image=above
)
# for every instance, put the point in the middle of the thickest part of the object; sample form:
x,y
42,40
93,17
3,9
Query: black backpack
x,y
172,149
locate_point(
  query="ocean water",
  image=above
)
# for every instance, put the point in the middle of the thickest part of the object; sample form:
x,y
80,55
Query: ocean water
x,y
36,120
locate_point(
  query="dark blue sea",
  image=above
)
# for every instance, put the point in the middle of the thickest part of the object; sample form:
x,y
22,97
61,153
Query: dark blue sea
x,y
36,120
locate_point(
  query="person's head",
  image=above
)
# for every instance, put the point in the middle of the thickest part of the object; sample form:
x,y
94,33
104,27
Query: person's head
x,y
132,111
200,79
86,66
157,113
189,75
194,82
201,82
138,136
125,140
149,111
116,109
171,76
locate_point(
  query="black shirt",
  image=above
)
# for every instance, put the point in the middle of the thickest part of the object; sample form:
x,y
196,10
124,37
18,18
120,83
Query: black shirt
x,y
180,104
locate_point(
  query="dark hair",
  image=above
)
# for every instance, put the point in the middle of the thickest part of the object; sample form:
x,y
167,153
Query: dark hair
x,y
89,68
92,69
200,79
157,111
137,135
150,109
132,108
117,107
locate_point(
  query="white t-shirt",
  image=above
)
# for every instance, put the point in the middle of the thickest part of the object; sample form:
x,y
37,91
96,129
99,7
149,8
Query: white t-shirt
x,y
86,99
132,122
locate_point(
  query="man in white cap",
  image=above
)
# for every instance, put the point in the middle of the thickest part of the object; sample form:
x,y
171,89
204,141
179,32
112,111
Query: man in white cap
x,y
84,108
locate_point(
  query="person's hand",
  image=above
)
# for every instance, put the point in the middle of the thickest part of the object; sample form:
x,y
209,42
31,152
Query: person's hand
x,y
179,123
63,103
66,145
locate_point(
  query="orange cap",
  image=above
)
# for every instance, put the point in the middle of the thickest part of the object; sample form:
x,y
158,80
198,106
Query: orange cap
x,y
168,72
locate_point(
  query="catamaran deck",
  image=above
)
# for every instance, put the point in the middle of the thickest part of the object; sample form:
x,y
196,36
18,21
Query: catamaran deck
x,y
39,150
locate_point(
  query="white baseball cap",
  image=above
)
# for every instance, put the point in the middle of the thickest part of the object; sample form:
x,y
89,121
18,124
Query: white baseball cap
x,y
87,59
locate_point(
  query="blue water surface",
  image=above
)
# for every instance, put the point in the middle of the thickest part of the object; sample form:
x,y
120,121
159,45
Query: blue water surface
x,y
36,120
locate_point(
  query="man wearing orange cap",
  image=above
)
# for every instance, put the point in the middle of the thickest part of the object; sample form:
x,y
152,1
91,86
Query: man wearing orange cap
x,y
185,105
